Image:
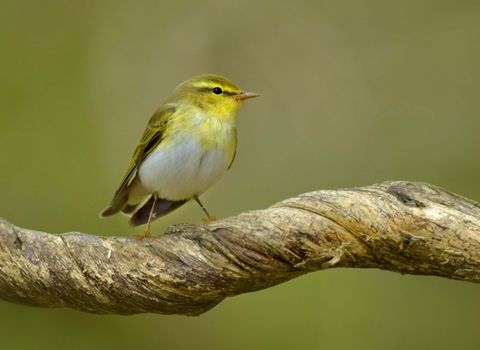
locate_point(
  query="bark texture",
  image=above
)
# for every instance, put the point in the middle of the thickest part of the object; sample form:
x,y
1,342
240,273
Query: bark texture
x,y
405,227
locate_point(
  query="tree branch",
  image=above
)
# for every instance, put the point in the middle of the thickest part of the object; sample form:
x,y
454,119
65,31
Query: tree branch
x,y
405,227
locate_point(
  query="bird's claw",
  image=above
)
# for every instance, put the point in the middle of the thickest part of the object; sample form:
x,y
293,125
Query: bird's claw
x,y
209,219
145,234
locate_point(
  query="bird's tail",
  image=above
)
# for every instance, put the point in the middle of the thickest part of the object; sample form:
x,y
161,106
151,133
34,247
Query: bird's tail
x,y
162,207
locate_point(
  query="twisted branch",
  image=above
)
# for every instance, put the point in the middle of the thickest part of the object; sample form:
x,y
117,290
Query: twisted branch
x,y
405,227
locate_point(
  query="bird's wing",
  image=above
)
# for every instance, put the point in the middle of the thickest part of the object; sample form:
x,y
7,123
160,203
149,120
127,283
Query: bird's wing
x,y
152,136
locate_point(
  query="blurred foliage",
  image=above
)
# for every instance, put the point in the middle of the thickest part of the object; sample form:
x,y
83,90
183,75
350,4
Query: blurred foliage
x,y
353,93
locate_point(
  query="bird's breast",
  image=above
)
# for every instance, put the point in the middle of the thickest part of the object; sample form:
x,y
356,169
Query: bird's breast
x,y
188,163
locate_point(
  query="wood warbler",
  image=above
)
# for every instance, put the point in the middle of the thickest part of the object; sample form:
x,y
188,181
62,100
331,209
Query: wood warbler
x,y
189,143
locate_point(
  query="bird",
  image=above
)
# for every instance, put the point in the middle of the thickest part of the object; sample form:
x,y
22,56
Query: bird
x,y
188,145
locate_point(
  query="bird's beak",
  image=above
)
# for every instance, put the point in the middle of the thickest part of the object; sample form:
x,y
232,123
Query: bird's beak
x,y
245,95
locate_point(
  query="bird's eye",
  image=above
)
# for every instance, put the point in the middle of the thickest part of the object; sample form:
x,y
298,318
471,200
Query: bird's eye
x,y
217,91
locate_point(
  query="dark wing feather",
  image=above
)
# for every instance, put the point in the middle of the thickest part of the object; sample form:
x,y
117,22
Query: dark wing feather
x,y
152,136
234,153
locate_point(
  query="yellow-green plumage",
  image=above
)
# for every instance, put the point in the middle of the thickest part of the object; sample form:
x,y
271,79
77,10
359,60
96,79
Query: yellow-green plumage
x,y
189,142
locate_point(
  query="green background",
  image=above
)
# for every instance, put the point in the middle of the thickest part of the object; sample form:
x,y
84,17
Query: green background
x,y
353,93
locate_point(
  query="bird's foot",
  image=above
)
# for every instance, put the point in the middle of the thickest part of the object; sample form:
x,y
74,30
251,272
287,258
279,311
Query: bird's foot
x,y
145,234
209,219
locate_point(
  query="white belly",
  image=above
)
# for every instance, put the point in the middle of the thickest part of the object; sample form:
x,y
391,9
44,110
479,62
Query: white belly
x,y
183,171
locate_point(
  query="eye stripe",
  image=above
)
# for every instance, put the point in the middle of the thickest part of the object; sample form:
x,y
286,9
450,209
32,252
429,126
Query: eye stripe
x,y
210,90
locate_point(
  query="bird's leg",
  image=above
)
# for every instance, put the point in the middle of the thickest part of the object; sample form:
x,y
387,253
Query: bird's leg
x,y
146,233
209,217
